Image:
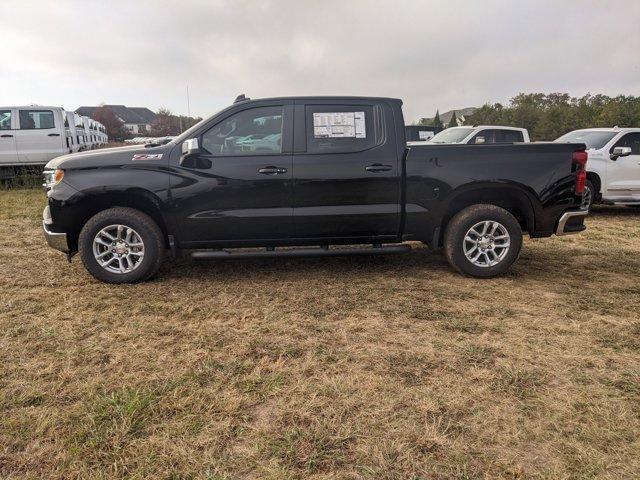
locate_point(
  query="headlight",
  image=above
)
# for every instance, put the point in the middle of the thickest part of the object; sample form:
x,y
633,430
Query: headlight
x,y
52,178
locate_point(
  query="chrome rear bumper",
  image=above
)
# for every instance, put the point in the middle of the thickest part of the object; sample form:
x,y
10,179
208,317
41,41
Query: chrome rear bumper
x,y
561,229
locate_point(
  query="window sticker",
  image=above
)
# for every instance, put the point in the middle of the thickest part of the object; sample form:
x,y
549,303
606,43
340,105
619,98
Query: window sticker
x,y
339,125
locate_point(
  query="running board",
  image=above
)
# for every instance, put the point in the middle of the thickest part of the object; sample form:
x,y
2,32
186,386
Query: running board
x,y
271,252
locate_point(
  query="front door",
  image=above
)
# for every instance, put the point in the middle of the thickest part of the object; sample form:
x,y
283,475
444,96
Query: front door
x,y
38,138
346,171
8,152
624,173
239,186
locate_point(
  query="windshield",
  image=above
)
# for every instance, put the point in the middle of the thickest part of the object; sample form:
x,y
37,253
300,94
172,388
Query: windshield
x,y
593,139
452,135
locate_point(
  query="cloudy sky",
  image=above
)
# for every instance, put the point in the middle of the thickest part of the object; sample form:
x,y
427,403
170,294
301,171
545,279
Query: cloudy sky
x,y
433,54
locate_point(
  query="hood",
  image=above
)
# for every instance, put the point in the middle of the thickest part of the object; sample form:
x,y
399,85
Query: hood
x,y
107,157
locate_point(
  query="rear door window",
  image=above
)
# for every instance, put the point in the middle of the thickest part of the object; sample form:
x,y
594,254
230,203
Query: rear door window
x,y
340,128
483,136
508,136
36,119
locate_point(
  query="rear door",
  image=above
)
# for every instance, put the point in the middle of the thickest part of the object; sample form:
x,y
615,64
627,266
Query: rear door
x,y
39,137
346,170
8,152
624,173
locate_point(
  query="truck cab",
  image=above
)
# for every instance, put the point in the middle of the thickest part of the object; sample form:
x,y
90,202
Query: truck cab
x,y
32,135
613,169
481,134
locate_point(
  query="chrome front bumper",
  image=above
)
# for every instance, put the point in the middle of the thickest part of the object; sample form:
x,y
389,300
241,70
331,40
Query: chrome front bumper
x,y
566,217
54,239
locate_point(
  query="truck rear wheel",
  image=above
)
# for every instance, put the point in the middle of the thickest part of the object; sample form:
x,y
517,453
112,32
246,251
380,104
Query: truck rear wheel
x,y
589,195
121,245
482,241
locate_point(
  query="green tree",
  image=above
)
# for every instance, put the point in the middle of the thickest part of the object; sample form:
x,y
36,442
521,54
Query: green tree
x,y
436,120
548,116
454,120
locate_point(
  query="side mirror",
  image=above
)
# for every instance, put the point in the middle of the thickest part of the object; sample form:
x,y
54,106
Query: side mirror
x,y
190,147
620,152
479,139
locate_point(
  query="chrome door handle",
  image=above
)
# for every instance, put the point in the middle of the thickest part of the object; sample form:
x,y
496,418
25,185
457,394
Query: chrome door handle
x,y
378,167
271,170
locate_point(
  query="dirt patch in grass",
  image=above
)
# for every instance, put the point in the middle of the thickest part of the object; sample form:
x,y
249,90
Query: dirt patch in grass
x,y
361,367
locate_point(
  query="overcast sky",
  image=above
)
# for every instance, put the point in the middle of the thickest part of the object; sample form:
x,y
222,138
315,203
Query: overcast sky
x,y
432,54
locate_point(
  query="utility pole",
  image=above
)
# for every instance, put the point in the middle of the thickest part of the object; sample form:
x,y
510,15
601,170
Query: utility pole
x,y
188,105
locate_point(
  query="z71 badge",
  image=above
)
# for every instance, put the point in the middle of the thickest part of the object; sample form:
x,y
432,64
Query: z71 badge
x,y
147,156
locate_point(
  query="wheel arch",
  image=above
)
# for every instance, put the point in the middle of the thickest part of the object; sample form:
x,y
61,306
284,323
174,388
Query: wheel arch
x,y
595,179
513,198
135,198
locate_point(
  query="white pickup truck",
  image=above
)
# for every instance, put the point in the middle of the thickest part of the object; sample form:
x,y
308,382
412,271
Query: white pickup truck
x,y
613,167
479,134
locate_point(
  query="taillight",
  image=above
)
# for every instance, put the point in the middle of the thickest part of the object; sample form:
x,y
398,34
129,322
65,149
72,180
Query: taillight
x,y
580,159
581,179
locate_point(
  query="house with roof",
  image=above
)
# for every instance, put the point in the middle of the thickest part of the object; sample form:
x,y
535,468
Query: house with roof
x,y
137,120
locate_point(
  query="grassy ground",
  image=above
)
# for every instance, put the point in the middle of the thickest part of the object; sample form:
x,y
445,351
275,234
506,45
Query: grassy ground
x,y
385,367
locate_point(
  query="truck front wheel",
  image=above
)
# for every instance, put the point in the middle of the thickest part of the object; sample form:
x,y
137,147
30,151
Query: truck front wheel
x,y
121,245
482,241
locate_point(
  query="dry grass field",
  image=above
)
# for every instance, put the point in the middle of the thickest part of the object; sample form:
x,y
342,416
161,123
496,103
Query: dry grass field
x,y
383,368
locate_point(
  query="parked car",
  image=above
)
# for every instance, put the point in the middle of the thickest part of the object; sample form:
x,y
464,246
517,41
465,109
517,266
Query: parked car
x,y
32,135
342,174
481,134
613,170
74,132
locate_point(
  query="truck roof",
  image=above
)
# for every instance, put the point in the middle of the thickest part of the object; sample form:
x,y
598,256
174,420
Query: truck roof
x,y
321,97
608,129
32,107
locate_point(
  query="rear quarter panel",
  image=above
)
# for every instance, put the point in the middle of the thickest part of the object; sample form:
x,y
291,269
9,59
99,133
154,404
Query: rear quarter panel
x,y
436,174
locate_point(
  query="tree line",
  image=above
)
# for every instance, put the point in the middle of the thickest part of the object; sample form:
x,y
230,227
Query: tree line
x,y
548,116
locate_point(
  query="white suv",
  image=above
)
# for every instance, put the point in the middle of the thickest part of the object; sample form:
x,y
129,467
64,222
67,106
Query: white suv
x,y
613,167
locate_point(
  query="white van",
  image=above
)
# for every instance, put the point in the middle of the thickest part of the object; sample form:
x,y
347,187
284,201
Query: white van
x,y
32,135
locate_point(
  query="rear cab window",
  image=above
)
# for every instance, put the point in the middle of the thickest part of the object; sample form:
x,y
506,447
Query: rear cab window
x,y
36,119
341,128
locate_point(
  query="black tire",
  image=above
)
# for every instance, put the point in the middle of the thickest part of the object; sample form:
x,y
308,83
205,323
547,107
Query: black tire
x,y
588,187
461,224
144,226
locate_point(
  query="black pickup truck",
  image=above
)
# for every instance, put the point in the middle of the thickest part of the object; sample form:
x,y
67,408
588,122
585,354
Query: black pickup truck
x,y
311,172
